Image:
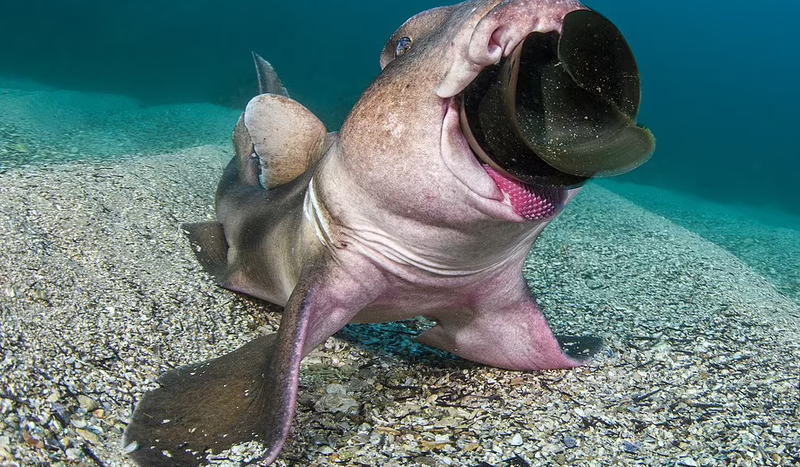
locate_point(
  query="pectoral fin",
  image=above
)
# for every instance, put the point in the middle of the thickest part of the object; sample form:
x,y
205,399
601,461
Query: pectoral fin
x,y
207,407
506,329
248,395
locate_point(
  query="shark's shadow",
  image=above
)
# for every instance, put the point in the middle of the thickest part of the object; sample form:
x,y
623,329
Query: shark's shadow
x,y
398,340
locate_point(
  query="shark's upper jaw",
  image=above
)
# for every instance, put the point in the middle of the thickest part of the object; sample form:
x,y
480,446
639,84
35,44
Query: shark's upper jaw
x,y
508,198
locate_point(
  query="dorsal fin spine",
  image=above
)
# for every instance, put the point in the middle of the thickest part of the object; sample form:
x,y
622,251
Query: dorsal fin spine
x,y
268,80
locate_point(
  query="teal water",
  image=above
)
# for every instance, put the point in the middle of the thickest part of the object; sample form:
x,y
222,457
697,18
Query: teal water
x,y
98,79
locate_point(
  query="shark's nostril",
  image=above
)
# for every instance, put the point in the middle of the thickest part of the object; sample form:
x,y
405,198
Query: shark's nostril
x,y
498,42
486,48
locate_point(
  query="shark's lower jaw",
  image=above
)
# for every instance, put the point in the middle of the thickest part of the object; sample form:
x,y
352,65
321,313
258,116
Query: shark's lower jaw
x,y
534,203
531,202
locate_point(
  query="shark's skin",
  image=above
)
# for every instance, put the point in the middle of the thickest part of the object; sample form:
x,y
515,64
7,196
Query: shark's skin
x,y
392,218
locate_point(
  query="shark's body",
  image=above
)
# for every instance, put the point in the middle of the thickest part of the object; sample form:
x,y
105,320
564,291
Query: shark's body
x,y
392,218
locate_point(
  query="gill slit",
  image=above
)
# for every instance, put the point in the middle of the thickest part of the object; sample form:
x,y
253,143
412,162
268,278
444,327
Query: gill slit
x,y
316,215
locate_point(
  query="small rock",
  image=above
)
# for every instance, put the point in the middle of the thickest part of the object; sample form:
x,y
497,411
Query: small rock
x,y
54,396
73,454
87,403
130,448
593,284
570,442
334,403
630,448
688,462
326,450
40,294
336,389
31,440
516,440
88,436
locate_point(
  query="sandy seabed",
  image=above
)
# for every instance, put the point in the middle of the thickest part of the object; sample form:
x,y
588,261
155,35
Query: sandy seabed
x,y
100,293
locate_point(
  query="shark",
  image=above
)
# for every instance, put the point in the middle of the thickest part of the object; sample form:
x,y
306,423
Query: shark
x,y
486,119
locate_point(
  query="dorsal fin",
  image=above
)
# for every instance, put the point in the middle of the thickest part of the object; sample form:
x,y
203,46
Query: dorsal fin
x,y
268,80
285,135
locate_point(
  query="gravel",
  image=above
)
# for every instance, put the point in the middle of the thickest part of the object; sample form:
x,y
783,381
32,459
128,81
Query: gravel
x,y
39,124
766,239
100,293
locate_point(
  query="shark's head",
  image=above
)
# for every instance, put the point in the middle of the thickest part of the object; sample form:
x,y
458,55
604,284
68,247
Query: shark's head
x,y
497,108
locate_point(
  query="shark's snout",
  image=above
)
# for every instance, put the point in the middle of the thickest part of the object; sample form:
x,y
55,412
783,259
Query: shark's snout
x,y
561,108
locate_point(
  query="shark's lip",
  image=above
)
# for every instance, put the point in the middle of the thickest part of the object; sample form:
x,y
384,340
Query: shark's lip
x,y
501,196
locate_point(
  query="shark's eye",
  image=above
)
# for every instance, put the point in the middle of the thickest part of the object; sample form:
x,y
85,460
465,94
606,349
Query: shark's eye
x,y
402,46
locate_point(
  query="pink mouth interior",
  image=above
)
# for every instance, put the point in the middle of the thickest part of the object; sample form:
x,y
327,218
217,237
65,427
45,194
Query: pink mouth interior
x,y
526,203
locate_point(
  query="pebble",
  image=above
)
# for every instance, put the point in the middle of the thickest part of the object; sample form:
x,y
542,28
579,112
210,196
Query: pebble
x,y
516,440
87,403
73,454
630,448
32,440
78,423
570,442
336,389
88,435
325,449
335,403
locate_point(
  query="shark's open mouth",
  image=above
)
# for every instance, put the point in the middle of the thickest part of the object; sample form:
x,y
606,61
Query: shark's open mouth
x,y
557,110
529,201
560,108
